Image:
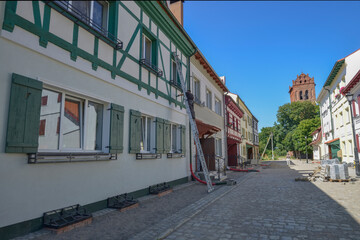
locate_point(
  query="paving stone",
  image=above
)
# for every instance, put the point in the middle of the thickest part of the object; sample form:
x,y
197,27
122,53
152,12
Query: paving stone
x,y
264,205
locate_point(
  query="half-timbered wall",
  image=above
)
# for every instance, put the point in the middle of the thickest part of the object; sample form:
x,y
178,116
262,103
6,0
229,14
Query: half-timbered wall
x,y
39,42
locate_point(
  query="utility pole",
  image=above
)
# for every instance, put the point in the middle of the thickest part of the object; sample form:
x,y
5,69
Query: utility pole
x,y
272,146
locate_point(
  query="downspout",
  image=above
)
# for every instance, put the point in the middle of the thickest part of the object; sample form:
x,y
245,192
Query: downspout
x,y
226,129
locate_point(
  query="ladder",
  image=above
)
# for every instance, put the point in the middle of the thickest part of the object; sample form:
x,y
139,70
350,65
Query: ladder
x,y
193,125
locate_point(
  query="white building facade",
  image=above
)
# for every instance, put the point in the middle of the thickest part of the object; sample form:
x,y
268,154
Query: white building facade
x,y
341,144
89,109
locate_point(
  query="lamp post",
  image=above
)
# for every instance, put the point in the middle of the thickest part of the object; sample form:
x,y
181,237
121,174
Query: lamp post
x,y
307,160
349,97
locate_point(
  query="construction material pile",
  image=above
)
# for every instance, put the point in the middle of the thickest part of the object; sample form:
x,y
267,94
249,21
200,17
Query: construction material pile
x,y
330,170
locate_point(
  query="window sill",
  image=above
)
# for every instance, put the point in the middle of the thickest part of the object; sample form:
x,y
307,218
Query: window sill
x,y
175,155
63,157
144,156
151,67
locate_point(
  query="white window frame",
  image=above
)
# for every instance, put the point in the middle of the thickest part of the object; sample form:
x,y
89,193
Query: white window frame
x,y
208,99
152,134
178,138
197,93
144,48
218,103
83,123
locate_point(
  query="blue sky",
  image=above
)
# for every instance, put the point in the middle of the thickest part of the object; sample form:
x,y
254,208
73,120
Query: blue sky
x,y
261,46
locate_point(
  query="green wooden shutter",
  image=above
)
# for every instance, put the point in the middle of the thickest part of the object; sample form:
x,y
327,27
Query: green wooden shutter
x,y
167,136
135,131
159,135
24,115
183,146
116,128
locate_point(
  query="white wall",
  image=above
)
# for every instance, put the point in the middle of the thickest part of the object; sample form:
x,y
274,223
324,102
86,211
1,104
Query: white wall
x,y
29,190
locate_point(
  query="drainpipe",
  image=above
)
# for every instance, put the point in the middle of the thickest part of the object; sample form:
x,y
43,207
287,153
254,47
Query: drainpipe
x,y
225,132
188,74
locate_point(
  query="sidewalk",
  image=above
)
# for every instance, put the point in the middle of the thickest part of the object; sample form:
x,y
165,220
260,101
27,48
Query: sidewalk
x,y
154,216
269,204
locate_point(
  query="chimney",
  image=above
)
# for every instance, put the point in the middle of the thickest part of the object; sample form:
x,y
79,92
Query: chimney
x,y
222,78
176,7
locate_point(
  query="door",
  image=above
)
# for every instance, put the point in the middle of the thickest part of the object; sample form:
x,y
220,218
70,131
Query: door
x,y
208,147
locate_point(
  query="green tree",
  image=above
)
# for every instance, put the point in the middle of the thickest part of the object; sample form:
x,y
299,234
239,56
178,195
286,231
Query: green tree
x,y
263,137
301,137
290,115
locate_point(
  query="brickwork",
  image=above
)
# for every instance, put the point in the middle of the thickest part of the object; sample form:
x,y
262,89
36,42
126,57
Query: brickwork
x,y
303,89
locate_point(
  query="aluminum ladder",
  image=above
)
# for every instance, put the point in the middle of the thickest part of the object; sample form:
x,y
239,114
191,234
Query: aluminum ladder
x,y
193,125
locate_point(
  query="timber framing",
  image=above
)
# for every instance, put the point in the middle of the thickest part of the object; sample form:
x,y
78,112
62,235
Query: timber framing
x,y
157,13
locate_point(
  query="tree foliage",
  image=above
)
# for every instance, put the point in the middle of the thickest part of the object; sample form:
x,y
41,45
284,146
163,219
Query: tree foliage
x,y
294,121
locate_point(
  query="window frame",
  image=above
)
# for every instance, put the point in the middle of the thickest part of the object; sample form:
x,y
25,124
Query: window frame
x,y
195,90
83,123
208,99
178,138
143,54
218,111
152,135
105,23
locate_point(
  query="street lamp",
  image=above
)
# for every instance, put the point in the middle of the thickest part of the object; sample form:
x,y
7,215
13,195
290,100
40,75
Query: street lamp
x,y
349,97
307,160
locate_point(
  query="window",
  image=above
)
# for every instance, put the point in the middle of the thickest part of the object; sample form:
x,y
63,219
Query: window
x,y
94,13
306,95
147,49
176,138
175,76
218,147
65,123
300,95
197,90
208,99
147,137
217,106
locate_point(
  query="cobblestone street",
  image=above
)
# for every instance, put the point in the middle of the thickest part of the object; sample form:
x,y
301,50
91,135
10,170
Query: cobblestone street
x,y
271,205
264,205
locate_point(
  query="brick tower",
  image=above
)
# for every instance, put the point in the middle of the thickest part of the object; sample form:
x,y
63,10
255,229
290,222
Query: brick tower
x,y
303,89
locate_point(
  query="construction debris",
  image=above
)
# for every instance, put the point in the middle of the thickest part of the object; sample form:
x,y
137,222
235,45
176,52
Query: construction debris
x,y
330,170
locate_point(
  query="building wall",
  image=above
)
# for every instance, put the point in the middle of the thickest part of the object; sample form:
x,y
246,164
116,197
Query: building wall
x,y
37,188
203,113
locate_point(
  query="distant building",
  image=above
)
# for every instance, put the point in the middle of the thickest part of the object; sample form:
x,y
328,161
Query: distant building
x,y
303,89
